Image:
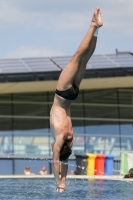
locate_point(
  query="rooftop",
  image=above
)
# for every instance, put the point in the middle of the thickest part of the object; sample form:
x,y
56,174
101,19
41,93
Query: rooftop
x,y
49,68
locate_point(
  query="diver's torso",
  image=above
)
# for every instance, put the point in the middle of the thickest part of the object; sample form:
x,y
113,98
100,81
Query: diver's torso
x,y
60,118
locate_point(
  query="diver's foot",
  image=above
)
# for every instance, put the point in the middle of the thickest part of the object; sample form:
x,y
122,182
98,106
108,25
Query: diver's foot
x,y
97,18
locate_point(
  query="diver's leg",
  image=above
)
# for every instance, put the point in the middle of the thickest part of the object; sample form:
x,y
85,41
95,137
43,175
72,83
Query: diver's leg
x,y
76,67
80,73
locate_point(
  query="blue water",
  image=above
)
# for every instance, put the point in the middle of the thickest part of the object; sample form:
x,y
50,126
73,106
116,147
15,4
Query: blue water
x,y
40,189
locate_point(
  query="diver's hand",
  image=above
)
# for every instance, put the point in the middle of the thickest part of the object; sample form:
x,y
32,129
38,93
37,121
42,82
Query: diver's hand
x,y
61,187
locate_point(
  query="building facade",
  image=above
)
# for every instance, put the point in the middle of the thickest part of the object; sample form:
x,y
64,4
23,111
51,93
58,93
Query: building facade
x,y
102,115
102,122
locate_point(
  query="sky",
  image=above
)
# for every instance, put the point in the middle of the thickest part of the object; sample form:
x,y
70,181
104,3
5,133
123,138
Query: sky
x,y
42,28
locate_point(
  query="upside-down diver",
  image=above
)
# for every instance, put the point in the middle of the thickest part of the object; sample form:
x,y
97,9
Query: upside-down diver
x,y
67,90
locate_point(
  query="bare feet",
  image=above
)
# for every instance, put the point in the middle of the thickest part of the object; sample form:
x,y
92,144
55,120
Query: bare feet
x,y
97,18
61,188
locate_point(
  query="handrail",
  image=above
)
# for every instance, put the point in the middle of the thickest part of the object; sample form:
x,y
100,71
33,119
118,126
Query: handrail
x,y
123,52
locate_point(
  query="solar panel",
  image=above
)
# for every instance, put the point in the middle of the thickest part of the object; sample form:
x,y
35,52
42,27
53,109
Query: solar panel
x,y
110,61
44,64
101,61
25,65
124,60
62,61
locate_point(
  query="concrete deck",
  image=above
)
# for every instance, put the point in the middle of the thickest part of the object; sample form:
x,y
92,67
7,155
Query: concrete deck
x,y
97,177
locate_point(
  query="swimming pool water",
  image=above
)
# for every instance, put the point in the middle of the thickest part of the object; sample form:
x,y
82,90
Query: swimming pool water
x,y
44,189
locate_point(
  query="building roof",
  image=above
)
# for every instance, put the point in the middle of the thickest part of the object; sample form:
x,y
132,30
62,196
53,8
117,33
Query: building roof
x,y
49,68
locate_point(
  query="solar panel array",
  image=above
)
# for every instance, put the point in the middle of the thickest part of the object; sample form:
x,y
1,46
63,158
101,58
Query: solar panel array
x,y
42,64
101,61
25,65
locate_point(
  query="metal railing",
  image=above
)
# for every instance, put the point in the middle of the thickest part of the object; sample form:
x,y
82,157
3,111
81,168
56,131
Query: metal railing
x,y
48,159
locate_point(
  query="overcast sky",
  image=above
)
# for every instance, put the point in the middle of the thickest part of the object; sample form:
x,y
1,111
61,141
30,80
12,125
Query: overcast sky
x,y
34,28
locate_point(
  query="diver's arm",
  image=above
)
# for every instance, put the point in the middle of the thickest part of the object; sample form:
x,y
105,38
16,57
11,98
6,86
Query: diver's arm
x,y
64,168
56,155
56,163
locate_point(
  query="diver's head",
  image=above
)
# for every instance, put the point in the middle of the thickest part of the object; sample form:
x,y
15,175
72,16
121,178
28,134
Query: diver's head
x,y
65,151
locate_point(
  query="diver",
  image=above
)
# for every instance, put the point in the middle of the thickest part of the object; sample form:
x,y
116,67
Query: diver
x,y
66,92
